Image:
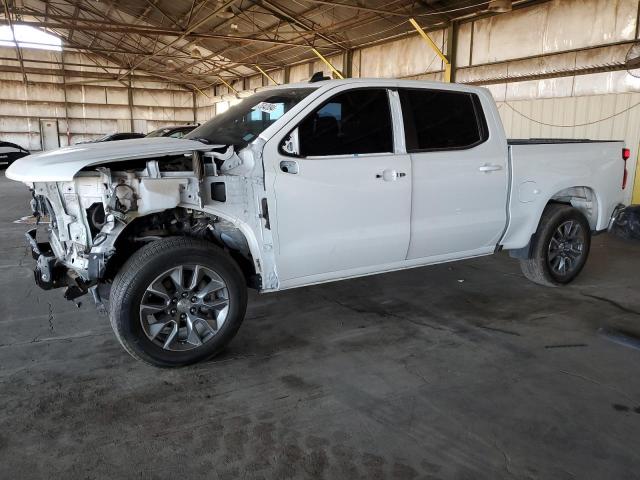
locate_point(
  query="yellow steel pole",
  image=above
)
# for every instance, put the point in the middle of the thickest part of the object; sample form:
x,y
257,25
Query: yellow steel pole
x,y
328,63
201,92
431,43
636,183
266,74
228,85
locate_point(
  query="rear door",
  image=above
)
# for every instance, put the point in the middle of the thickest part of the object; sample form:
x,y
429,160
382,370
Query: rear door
x,y
342,204
460,174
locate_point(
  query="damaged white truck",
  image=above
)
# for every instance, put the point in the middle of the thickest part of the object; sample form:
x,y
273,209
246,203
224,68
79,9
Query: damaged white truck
x,y
302,184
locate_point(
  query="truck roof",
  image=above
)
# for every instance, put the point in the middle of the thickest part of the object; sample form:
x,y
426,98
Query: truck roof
x,y
383,82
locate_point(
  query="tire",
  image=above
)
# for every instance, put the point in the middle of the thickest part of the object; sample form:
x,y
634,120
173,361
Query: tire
x,y
159,319
546,254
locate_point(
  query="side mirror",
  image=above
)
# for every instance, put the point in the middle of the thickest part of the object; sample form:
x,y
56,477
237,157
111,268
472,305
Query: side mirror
x,y
290,145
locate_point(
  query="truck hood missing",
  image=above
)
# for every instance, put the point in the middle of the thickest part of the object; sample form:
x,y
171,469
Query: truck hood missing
x,y
62,164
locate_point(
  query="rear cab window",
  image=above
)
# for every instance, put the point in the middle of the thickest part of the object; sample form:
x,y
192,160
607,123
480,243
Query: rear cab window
x,y
436,120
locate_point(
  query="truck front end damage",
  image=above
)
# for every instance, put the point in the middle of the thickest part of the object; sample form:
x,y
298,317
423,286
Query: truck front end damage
x,y
165,233
107,211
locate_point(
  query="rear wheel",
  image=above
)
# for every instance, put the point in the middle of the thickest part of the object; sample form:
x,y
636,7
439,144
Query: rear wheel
x,y
560,246
177,301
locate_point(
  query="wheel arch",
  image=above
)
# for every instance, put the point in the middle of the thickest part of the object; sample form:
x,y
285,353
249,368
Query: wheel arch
x,y
570,250
581,197
230,236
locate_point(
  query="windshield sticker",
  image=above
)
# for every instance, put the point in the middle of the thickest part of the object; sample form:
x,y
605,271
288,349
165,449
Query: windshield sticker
x,y
265,107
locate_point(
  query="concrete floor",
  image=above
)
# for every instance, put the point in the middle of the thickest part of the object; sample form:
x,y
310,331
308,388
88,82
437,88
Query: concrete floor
x,y
463,370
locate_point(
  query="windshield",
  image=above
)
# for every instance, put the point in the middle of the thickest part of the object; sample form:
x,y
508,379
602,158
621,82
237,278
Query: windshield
x,y
242,123
158,133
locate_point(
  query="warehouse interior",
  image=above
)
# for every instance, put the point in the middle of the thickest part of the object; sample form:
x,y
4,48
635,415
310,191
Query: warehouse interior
x,y
138,66
459,370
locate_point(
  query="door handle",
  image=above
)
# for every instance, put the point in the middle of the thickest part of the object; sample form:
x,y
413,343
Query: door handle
x,y
390,175
289,166
490,168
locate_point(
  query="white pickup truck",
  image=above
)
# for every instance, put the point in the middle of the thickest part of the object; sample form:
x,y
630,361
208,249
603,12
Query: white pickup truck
x,y
303,184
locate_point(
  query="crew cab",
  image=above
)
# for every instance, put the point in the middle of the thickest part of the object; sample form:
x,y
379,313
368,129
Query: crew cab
x,y
302,184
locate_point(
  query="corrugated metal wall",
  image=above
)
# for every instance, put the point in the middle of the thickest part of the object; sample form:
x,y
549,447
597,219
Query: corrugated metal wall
x,y
83,109
576,111
562,39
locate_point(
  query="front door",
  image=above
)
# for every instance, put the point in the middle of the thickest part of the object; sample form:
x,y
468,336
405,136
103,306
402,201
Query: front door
x,y
343,202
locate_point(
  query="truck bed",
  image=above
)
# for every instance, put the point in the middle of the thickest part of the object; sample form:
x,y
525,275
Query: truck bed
x,y
541,169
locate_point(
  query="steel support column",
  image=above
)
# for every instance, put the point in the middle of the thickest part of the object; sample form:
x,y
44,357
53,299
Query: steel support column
x,y
130,97
66,102
347,63
452,47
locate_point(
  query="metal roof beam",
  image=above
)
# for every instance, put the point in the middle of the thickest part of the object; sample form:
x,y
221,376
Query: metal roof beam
x,y
290,18
187,32
360,8
154,4
99,26
276,49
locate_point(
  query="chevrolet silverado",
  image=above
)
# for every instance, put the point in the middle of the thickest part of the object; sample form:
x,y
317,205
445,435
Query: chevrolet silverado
x,y
302,184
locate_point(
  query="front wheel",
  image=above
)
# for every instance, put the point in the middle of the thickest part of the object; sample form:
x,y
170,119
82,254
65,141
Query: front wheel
x,y
177,301
560,246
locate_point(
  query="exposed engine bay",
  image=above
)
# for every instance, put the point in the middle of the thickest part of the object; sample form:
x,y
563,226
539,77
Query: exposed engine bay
x,y
109,210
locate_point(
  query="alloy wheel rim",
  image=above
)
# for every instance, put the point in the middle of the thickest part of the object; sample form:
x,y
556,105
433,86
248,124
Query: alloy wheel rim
x,y
566,248
184,307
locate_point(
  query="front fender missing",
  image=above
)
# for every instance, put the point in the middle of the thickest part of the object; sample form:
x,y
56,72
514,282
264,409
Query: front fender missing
x,y
117,243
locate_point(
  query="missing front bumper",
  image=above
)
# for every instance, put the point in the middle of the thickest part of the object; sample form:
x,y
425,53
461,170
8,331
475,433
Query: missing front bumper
x,y
48,274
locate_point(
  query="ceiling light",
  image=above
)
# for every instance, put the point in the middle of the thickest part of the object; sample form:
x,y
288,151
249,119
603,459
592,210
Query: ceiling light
x,y
500,6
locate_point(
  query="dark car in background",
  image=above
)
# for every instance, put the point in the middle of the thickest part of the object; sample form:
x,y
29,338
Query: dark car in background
x,y
10,152
176,131
111,137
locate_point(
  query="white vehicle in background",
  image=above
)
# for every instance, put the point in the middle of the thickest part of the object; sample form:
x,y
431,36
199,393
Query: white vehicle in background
x,y
303,184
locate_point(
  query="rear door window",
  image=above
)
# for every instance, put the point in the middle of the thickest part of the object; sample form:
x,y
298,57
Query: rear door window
x,y
442,120
351,123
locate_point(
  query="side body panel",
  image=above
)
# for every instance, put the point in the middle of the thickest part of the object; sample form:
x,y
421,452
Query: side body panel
x,y
333,221
540,172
